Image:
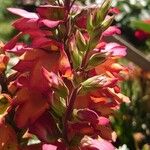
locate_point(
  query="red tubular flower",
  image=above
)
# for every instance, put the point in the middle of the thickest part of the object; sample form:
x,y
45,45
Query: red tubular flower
x,y
32,103
65,84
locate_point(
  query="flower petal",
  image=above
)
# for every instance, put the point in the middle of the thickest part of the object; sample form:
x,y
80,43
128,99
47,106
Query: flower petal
x,y
45,128
23,13
31,107
88,143
116,49
111,31
51,12
11,44
18,49
88,115
24,24
49,147
8,139
49,23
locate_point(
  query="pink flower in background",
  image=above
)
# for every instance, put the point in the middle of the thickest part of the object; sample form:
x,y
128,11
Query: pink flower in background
x,y
141,35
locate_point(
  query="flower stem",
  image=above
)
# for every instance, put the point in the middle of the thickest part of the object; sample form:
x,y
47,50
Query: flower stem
x,y
69,113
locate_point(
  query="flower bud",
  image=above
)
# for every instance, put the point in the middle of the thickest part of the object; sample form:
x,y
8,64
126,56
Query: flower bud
x,y
96,82
102,12
106,23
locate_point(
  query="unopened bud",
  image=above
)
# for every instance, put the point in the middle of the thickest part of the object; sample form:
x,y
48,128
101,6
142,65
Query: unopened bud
x,y
96,82
106,23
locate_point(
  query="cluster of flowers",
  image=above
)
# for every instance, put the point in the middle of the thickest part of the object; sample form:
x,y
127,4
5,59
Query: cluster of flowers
x,y
65,84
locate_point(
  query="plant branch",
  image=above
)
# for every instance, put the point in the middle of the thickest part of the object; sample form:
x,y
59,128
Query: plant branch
x,y
68,28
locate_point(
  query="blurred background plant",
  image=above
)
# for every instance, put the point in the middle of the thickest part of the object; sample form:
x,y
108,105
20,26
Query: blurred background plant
x,y
132,122
6,31
134,20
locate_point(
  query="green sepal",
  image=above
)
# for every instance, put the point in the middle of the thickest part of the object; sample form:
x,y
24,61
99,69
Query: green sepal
x,y
76,55
95,37
95,60
80,41
62,91
93,83
75,141
59,105
106,23
102,11
89,25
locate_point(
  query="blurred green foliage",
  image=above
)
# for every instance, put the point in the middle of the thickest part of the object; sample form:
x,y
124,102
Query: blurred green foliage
x,y
6,30
132,121
131,17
